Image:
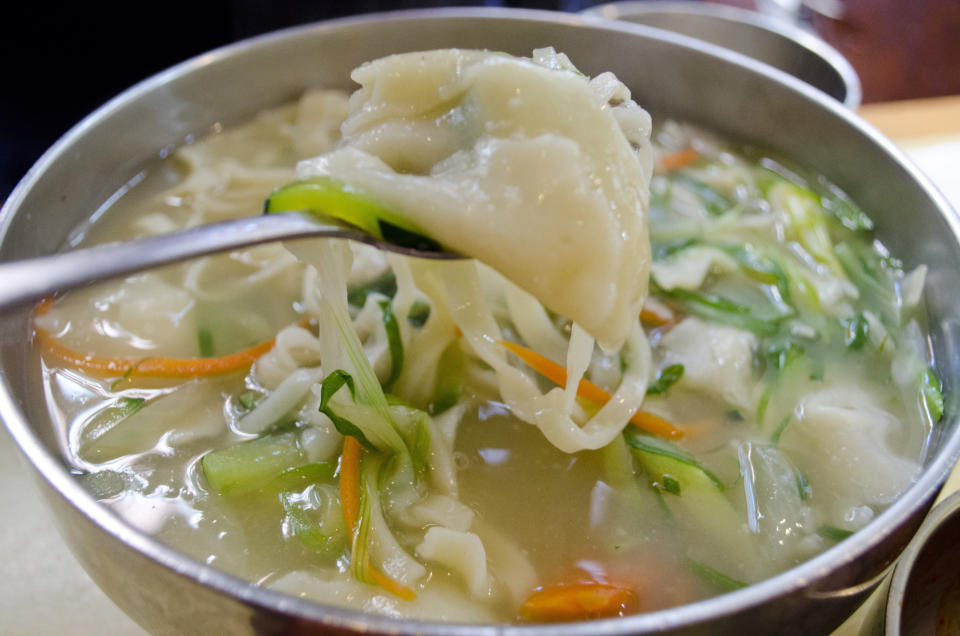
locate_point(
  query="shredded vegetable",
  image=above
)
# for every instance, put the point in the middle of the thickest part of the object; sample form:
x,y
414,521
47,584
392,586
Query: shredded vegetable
x,y
679,159
149,367
578,602
350,481
590,391
394,343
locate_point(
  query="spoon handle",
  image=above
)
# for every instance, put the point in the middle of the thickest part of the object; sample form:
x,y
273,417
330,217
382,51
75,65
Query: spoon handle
x,y
32,279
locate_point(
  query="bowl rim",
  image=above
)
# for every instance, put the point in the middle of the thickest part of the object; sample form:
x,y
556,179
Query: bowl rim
x,y
53,470
625,9
946,510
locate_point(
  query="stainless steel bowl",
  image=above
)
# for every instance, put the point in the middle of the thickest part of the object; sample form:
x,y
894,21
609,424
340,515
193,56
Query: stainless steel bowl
x,y
689,80
929,568
773,41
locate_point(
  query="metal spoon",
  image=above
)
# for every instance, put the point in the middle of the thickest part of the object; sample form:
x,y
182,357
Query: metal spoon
x,y
32,279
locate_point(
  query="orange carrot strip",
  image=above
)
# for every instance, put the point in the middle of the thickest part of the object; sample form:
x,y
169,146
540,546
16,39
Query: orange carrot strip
x,y
656,424
350,502
590,391
577,602
657,317
350,481
397,589
149,367
679,159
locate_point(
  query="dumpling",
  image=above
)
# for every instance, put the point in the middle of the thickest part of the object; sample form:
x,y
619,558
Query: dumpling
x,y
524,164
844,434
717,360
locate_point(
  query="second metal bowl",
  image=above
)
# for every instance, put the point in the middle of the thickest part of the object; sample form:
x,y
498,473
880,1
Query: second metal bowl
x,y
769,40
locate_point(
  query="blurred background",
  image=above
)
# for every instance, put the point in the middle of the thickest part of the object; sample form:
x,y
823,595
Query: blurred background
x,y
61,62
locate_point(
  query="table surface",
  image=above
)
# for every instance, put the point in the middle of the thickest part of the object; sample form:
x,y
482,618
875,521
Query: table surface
x,y
37,565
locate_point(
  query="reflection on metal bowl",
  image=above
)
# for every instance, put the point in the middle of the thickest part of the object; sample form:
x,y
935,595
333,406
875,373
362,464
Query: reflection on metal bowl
x,y
770,40
167,592
924,594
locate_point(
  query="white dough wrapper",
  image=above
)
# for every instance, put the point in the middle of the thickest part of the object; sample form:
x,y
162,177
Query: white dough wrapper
x,y
524,164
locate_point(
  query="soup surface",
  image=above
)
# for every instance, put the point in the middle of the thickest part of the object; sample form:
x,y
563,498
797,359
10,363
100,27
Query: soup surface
x,y
223,405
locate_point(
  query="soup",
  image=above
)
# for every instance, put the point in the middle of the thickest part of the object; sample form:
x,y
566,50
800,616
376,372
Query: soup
x,y
788,395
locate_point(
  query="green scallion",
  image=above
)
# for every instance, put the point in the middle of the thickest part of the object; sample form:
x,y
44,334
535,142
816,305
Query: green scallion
x,y
666,378
932,395
205,342
394,343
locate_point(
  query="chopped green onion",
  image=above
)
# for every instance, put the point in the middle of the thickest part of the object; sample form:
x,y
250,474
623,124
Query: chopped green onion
x,y
667,378
715,578
716,308
715,203
249,399
763,404
781,354
846,211
414,425
818,370
394,342
712,301
833,533
803,486
775,438
373,537
663,250
205,342
333,383
856,331
671,485
868,272
662,504
932,396
734,415
759,267
418,314
330,385
360,544
106,419
128,373
129,405
385,283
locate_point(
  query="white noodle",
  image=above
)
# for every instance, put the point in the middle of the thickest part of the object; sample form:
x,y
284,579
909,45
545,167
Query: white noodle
x,y
551,411
280,402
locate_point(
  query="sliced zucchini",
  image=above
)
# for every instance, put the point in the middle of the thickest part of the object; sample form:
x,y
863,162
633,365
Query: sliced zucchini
x,y
334,198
